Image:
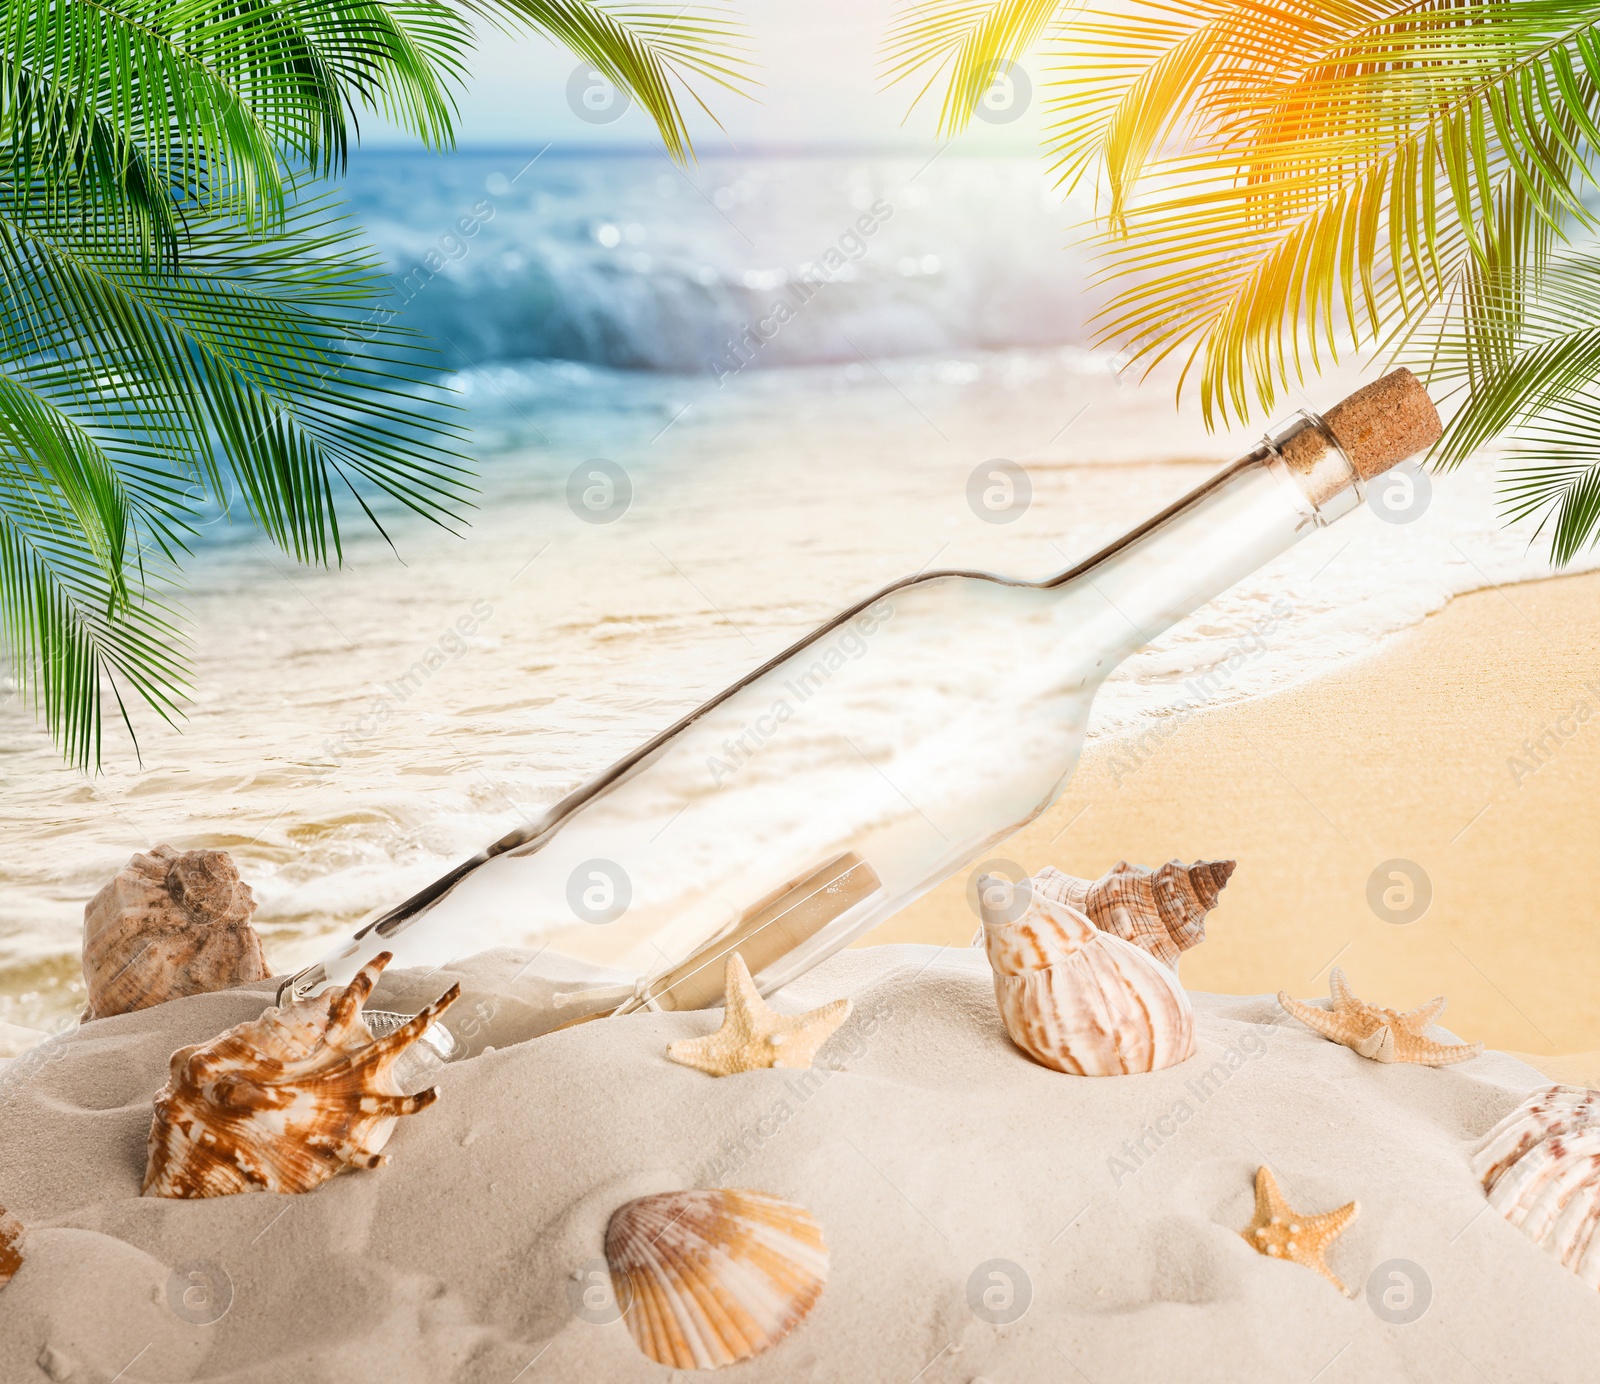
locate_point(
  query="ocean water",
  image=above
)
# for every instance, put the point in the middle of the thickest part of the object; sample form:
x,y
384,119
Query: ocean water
x,y
354,733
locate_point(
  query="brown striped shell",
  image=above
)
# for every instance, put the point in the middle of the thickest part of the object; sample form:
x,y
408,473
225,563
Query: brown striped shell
x,y
710,1277
1077,999
1540,1168
1162,910
284,1102
168,924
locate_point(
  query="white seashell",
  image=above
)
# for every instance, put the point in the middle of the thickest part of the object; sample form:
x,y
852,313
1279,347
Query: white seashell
x,y
1077,999
168,924
709,1277
284,1102
1540,1168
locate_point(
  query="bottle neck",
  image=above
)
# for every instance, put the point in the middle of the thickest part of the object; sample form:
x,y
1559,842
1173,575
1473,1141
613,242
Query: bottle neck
x,y
1296,481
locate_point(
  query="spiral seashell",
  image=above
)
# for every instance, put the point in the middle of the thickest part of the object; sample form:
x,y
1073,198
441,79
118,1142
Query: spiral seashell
x,y
1077,999
10,1246
710,1277
168,924
1540,1168
286,1101
1162,910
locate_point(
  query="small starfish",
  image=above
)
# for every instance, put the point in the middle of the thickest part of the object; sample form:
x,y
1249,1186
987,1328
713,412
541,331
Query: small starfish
x,y
753,1035
1282,1233
1381,1034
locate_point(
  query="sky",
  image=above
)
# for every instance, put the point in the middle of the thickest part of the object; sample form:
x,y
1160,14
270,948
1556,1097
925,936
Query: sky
x,y
820,87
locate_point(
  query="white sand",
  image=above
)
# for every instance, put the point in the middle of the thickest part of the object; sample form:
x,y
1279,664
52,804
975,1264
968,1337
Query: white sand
x,y
935,1148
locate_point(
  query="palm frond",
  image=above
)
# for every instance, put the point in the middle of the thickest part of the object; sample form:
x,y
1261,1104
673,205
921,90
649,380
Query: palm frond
x,y
182,321
1563,482
645,52
1541,390
1290,179
62,472
267,367
70,641
217,98
274,359
974,39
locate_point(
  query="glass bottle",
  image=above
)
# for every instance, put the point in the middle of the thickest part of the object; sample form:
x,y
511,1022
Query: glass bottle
x,y
897,743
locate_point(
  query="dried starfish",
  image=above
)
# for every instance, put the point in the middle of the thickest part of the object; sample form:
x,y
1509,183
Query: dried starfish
x,y
1381,1034
1283,1233
753,1035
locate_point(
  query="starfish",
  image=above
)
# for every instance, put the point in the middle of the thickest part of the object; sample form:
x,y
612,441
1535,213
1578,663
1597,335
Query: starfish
x,y
1283,1233
753,1035
1381,1034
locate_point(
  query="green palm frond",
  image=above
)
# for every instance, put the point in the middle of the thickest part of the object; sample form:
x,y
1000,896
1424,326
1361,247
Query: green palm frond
x,y
183,321
1563,483
269,368
1542,391
70,643
217,97
647,53
973,38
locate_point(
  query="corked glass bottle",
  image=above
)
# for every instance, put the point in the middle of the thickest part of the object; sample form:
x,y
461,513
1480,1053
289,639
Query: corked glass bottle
x,y
899,742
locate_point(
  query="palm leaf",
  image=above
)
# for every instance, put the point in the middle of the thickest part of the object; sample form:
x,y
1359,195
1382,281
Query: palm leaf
x,y
71,641
647,53
273,360
216,97
1563,484
182,321
1333,181
975,39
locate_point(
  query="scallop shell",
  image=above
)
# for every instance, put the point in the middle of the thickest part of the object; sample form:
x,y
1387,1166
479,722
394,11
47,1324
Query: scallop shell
x,y
168,924
1077,999
710,1277
10,1246
1540,1167
282,1103
1162,910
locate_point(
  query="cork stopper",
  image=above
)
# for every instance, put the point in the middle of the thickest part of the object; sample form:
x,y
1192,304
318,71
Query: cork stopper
x,y
1384,422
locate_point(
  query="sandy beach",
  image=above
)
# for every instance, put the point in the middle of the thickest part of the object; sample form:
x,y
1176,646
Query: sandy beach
x,y
931,1151
1469,746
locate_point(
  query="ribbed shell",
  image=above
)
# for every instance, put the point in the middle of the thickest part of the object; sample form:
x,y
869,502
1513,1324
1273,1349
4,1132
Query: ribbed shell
x,y
710,1277
284,1102
1540,1167
10,1246
1080,1000
168,924
1162,910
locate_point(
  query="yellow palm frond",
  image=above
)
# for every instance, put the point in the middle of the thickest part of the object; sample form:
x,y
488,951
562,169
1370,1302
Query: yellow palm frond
x,y
1285,179
975,39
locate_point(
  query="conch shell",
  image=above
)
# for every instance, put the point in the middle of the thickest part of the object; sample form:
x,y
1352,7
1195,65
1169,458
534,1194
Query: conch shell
x,y
1162,910
168,924
282,1103
10,1246
1540,1167
1077,999
706,1278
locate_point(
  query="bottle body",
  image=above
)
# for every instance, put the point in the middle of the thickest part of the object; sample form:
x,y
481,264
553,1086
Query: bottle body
x,y
893,746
